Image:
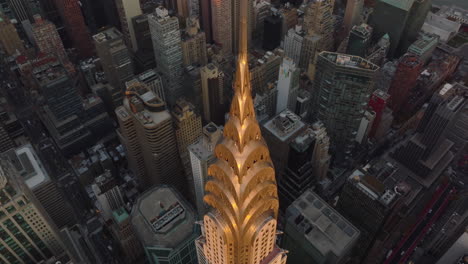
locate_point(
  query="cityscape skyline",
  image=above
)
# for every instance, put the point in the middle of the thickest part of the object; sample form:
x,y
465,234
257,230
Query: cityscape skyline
x,y
233,132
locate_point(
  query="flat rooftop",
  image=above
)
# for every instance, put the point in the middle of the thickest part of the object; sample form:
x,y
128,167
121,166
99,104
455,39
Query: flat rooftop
x,y
161,217
401,4
28,165
323,227
49,73
284,125
108,34
349,61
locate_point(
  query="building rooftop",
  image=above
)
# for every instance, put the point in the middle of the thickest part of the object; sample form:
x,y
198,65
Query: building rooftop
x,y
120,215
161,217
424,43
28,165
401,4
363,30
458,250
323,227
49,73
349,61
204,147
108,34
284,125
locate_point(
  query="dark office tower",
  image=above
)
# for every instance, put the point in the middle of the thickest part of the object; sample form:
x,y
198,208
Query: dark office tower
x,y
365,202
416,19
100,14
343,85
75,26
213,98
115,58
428,151
59,90
144,57
5,141
436,100
51,13
406,75
457,130
20,9
308,156
142,33
28,235
402,20
279,132
359,40
42,186
147,132
272,32
205,19
378,103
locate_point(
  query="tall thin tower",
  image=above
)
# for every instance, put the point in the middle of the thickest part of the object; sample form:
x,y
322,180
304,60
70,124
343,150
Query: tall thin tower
x,y
241,189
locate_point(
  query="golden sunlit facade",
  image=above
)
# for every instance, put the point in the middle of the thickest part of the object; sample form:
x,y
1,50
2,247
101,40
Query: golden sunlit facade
x,y
241,227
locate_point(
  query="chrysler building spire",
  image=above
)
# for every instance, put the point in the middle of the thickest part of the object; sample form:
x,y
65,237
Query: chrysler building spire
x,y
241,189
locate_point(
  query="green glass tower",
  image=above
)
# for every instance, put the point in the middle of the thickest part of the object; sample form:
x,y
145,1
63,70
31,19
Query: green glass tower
x,y
26,233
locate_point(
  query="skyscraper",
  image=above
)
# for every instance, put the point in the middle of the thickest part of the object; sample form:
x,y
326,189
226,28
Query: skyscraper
x,y
407,73
166,37
279,132
352,14
108,194
272,32
401,20
416,19
378,103
241,227
319,20
147,132
288,86
10,41
38,181
115,58
343,85
47,38
212,82
144,56
316,233
188,128
201,157
27,233
73,21
193,43
128,9
205,19
125,235
222,25
293,43
165,224
359,40
308,150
